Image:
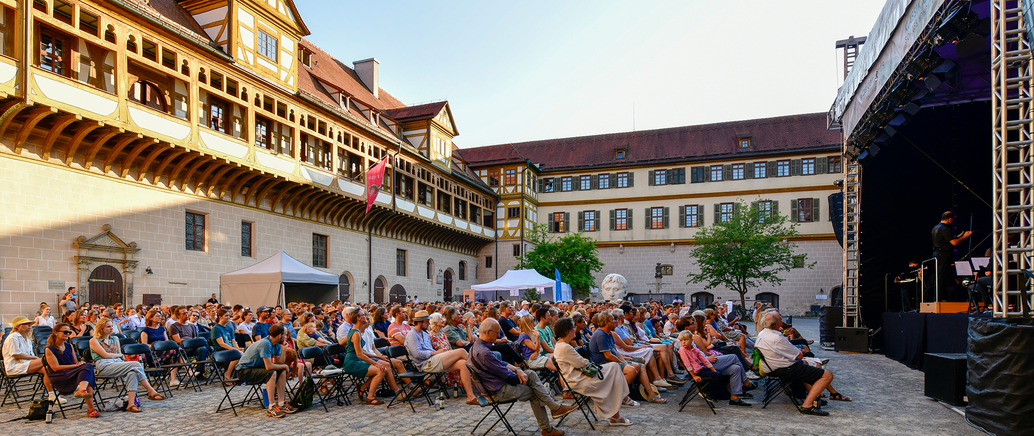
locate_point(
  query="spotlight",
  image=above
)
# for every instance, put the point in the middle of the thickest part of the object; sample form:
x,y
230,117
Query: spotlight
x,y
911,109
900,120
956,24
923,62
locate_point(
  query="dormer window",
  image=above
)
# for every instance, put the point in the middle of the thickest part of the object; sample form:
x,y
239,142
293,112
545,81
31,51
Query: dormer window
x,y
619,153
744,143
306,57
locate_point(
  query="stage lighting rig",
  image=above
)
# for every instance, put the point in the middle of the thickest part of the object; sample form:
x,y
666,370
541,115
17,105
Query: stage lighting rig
x,y
956,25
922,63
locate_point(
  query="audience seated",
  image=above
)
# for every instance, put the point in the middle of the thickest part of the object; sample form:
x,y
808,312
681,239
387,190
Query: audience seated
x,y
607,393
19,354
507,382
68,374
108,361
426,359
259,365
602,349
358,364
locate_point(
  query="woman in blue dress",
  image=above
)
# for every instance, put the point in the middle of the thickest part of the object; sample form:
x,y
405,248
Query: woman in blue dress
x,y
358,364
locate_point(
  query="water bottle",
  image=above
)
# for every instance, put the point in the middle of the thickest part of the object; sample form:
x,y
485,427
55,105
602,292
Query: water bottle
x,y
441,400
456,391
50,417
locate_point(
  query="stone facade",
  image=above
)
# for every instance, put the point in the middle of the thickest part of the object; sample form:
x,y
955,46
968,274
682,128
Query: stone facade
x,y
47,208
796,294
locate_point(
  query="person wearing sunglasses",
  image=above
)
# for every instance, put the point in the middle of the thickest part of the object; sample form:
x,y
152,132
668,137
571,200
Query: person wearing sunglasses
x,y
67,373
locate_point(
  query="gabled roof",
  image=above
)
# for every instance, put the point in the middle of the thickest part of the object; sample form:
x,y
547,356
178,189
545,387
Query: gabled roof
x,y
323,67
418,112
793,133
169,12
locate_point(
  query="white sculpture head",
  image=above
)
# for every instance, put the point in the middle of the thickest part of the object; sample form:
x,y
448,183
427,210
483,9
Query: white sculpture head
x,y
614,287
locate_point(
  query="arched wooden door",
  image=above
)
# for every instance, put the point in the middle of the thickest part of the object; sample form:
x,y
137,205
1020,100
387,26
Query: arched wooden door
x,y
344,287
701,300
398,294
105,285
378,291
447,285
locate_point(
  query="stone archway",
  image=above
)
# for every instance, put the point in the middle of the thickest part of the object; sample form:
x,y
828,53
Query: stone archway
x,y
95,256
447,285
379,296
397,294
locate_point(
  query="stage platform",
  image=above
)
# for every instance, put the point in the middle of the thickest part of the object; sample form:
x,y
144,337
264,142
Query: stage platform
x,y
907,337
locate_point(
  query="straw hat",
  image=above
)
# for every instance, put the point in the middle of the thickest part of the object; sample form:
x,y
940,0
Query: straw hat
x,y
421,315
19,320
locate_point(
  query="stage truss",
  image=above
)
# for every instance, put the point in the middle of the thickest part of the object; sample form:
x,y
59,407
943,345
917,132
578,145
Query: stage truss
x,y
1012,100
852,252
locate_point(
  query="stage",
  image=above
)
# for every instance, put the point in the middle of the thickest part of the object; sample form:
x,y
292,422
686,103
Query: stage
x,y
907,337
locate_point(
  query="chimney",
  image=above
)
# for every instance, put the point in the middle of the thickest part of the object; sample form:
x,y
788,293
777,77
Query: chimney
x,y
367,70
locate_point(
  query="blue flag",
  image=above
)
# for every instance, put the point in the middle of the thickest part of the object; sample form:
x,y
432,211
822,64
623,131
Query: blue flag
x,y
557,287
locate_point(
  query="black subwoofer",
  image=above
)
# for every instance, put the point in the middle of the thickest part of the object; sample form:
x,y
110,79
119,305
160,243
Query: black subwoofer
x,y
852,339
946,377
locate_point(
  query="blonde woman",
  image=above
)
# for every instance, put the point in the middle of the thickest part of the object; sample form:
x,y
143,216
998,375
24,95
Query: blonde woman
x,y
108,361
530,344
309,336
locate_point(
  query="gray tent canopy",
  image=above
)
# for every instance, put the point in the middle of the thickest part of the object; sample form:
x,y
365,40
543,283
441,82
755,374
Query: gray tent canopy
x,y
276,280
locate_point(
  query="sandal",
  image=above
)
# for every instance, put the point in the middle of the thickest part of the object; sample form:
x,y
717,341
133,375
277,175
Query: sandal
x,y
628,401
657,399
836,396
132,408
93,413
622,421
81,393
373,402
155,397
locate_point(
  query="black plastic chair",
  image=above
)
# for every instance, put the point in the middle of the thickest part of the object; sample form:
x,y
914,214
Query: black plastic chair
x,y
165,347
485,399
191,348
415,387
16,386
695,389
583,402
158,375
134,335
775,386
354,384
224,358
311,353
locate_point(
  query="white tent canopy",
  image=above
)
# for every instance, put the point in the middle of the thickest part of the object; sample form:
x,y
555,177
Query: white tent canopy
x,y
515,280
264,283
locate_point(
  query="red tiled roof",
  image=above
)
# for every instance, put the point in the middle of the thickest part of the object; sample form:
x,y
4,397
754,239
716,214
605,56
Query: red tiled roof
x,y
171,12
336,73
721,140
422,111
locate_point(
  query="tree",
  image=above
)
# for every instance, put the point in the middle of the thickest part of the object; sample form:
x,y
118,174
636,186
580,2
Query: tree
x,y
574,255
746,251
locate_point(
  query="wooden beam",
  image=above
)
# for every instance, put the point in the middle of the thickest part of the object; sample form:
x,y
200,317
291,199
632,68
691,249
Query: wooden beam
x,y
301,197
279,195
204,176
33,118
186,178
182,164
59,126
254,191
119,146
98,144
240,185
211,183
165,163
151,158
262,194
133,155
10,111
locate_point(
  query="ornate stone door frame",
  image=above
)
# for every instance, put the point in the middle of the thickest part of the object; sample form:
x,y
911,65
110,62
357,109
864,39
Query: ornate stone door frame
x,y
105,249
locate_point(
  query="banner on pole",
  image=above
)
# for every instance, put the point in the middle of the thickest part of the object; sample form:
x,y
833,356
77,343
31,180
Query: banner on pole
x,y
374,177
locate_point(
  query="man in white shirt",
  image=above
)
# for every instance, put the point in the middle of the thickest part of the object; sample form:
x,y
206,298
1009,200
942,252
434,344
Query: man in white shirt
x,y
784,360
347,324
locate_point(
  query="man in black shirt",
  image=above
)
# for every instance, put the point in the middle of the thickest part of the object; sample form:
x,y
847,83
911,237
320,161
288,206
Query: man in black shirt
x,y
213,300
943,245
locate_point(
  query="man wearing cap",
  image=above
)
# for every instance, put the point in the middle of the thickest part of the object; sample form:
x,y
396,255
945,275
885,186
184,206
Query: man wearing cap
x,y
261,328
19,356
426,359
507,382
524,309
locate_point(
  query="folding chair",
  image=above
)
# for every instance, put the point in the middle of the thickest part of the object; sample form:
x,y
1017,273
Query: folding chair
x,y
158,375
172,346
134,335
318,379
416,386
485,399
582,401
81,346
775,386
224,358
354,383
191,349
40,334
696,389
16,386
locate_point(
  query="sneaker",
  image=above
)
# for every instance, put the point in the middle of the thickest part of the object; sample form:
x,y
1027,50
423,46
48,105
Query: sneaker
x,y
275,412
825,362
54,398
553,432
675,381
662,384
660,389
739,402
751,375
288,409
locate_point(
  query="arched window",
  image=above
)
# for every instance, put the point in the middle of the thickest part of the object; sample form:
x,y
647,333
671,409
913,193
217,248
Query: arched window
x,y
148,94
463,270
769,298
430,269
700,300
344,287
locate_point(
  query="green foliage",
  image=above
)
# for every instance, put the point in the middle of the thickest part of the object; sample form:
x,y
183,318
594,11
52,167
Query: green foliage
x,y
745,252
574,255
532,295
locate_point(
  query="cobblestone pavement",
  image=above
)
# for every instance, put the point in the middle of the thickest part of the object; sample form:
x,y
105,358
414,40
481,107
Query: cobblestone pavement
x,y
888,399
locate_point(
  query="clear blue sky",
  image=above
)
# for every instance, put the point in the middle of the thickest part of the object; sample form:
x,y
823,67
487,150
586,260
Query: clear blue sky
x,y
520,71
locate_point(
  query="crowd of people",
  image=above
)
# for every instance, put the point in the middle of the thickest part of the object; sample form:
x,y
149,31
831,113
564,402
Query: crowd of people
x,y
616,353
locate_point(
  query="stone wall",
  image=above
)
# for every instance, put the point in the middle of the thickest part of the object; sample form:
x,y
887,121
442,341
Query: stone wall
x,y
796,294
47,207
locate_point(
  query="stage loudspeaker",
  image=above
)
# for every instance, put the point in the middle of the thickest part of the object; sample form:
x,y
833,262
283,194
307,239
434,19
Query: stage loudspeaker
x,y
830,317
852,339
946,377
836,215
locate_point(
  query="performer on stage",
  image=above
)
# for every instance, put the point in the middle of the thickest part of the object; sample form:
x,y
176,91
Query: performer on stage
x,y
943,245
906,282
